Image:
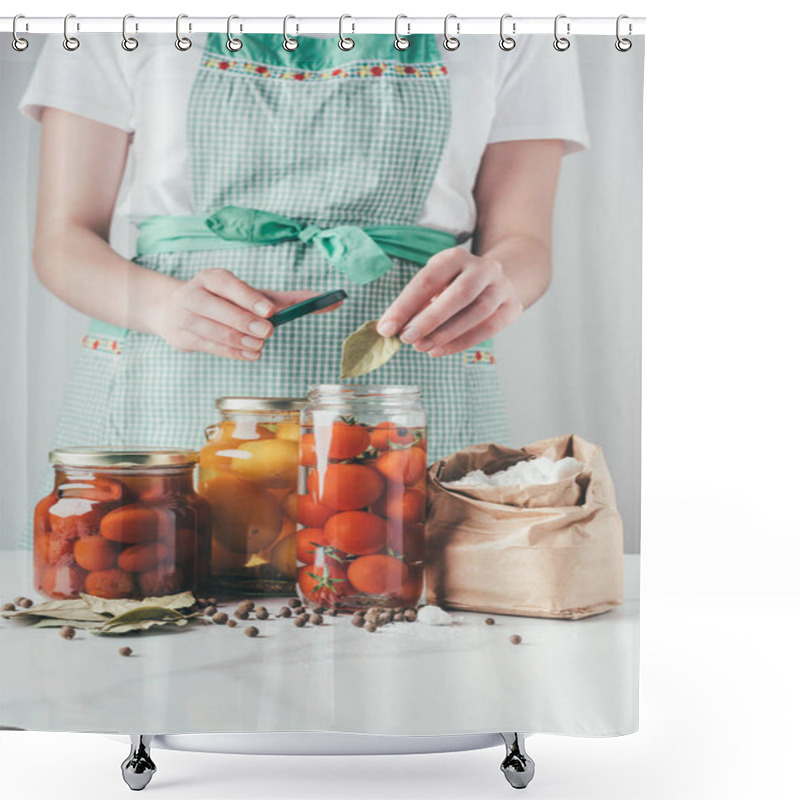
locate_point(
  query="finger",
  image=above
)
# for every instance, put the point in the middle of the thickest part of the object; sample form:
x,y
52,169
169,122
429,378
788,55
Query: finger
x,y
429,281
190,342
501,318
468,290
213,307
215,332
225,284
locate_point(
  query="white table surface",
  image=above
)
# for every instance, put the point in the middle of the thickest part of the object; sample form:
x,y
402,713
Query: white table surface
x,y
574,677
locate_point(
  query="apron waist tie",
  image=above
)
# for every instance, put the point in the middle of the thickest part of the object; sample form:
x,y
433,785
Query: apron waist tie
x,y
362,254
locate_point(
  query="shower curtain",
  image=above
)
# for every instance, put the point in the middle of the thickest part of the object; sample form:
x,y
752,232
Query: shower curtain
x,y
482,206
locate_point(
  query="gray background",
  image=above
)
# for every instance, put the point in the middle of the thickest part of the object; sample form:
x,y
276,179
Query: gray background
x,y
572,364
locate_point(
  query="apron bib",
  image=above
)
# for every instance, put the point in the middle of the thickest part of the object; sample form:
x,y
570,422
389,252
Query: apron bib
x,y
327,138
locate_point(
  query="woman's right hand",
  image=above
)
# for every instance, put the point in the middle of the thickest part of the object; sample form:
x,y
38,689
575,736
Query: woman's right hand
x,y
216,312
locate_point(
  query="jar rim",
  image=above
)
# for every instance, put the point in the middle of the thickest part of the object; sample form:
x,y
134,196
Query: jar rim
x,y
123,458
364,390
260,403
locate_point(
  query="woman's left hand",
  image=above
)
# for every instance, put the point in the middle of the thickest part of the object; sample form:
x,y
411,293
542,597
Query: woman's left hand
x,y
454,302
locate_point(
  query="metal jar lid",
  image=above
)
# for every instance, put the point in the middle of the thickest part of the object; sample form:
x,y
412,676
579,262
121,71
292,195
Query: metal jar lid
x,y
123,458
262,404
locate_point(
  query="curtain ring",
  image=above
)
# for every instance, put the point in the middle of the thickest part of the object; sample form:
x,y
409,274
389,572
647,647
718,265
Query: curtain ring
x,y
17,42
622,44
507,42
289,43
70,43
451,42
400,42
561,43
129,43
233,44
345,42
182,42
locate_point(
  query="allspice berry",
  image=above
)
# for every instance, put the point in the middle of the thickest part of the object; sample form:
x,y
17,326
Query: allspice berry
x,y
220,618
284,612
9,607
231,623
251,631
515,639
67,632
295,603
246,606
212,601
241,614
125,651
358,621
300,621
385,617
316,619
489,620
299,610
262,613
25,602
410,615
371,627
318,609
210,611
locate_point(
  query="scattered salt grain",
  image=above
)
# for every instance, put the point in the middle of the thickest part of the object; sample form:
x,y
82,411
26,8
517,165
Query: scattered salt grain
x,y
433,615
524,473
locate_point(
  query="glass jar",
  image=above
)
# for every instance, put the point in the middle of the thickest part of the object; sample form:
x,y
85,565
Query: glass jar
x,y
364,468
121,523
248,474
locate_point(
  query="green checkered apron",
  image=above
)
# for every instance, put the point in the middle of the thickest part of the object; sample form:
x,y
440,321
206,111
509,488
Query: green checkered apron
x,y
326,138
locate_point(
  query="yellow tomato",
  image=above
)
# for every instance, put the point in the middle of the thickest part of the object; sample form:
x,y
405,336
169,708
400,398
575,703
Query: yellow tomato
x,y
290,505
270,462
289,431
283,556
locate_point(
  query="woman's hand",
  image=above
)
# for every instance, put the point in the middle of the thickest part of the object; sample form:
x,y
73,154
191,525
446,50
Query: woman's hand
x,y
216,312
472,300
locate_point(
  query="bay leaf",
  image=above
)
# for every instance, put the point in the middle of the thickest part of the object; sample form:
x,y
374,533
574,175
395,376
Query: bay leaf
x,y
47,622
115,607
142,618
365,350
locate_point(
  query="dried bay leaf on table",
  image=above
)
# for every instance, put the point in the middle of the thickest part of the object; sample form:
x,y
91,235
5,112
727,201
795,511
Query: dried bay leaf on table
x,y
365,350
115,607
51,622
144,617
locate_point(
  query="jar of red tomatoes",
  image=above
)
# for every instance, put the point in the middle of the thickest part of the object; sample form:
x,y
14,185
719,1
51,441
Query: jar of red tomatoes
x,y
364,468
121,523
249,473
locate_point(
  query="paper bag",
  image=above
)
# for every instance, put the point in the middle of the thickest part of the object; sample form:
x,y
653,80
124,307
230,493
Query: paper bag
x,y
553,550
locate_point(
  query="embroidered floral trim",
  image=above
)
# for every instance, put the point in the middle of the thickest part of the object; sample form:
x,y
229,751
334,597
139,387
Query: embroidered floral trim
x,y
479,357
102,344
365,69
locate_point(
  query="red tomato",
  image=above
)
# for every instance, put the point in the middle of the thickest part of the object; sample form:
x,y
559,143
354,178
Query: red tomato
x,y
142,557
110,583
312,514
325,584
160,581
403,466
399,503
308,540
346,487
94,553
377,574
356,532
379,438
345,440
136,523
401,435
308,450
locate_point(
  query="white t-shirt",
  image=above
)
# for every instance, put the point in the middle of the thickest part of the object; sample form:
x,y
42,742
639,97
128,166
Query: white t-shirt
x,y
531,92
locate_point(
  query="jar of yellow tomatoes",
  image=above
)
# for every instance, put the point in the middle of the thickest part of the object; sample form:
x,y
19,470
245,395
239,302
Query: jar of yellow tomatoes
x,y
121,523
248,474
364,467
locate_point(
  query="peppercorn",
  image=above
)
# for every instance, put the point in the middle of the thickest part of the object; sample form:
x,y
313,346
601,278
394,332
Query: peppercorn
x,y
210,611
231,623
67,632
515,639
370,627
9,607
316,619
358,621
125,651
262,613
251,631
295,603
25,602
489,620
284,612
220,618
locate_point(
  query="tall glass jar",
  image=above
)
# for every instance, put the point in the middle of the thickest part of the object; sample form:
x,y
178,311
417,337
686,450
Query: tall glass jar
x,y
362,506
249,474
121,523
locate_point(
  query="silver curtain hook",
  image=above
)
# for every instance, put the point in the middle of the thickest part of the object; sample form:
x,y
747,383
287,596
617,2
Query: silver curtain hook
x,y
507,42
70,43
17,42
561,43
182,42
345,42
451,42
129,43
233,44
623,44
400,42
289,43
